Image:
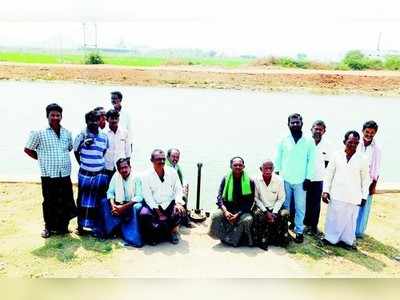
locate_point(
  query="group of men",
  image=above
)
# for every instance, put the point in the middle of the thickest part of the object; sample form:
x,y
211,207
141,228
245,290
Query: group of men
x,y
289,191
111,199
148,209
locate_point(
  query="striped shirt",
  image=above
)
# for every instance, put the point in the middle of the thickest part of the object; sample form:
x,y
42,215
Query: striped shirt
x,y
91,154
52,151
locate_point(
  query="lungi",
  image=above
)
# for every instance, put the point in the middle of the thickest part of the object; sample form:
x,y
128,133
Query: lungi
x,y
153,229
341,220
58,203
128,224
265,234
92,188
232,234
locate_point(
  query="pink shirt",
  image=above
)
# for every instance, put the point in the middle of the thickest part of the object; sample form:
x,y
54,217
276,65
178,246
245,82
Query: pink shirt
x,y
373,152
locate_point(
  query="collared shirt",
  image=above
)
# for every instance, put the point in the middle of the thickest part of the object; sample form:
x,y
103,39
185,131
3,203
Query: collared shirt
x,y
52,151
270,196
347,181
323,150
373,152
125,122
137,197
295,161
119,147
161,193
91,155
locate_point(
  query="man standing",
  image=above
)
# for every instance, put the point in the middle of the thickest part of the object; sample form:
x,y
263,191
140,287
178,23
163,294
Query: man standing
x,y
102,117
89,149
345,190
51,147
232,224
124,118
164,207
270,220
295,159
173,156
369,147
120,211
313,198
119,144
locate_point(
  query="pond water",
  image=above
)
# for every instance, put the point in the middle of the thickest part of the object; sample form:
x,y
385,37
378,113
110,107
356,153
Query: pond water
x,y
208,126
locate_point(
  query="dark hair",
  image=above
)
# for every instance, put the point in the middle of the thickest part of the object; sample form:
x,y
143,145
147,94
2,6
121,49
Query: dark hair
x,y
319,123
118,94
170,151
235,157
53,107
370,124
112,113
99,110
351,132
295,116
122,160
154,152
91,116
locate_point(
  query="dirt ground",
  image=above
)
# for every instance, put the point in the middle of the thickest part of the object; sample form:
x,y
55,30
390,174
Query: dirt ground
x,y
24,254
378,83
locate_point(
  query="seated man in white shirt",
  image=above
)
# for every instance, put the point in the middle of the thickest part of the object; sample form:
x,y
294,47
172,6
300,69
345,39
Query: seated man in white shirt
x,y
163,202
270,225
345,189
119,144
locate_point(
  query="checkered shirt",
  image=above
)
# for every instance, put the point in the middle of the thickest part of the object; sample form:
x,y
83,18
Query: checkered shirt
x,y
53,152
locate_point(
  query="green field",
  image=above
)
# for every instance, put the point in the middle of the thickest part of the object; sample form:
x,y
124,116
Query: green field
x,y
119,60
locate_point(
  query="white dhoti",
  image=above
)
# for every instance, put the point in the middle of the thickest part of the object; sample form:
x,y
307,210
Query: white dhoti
x,y
341,221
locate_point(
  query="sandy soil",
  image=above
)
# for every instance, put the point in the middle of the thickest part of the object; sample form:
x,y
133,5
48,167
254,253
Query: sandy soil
x,y
23,253
380,83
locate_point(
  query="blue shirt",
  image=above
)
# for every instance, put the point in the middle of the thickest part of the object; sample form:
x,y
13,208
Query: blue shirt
x,y
295,161
91,153
138,197
52,151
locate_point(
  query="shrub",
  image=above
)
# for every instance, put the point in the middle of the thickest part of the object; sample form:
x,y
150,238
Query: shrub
x,y
355,60
392,62
93,58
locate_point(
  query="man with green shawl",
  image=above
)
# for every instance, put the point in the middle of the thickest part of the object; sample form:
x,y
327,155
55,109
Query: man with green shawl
x,y
173,156
232,224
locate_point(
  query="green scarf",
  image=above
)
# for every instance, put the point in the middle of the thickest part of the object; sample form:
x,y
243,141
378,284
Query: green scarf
x,y
178,170
228,188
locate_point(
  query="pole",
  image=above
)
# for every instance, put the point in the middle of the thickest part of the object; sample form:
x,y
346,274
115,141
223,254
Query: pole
x,y
199,165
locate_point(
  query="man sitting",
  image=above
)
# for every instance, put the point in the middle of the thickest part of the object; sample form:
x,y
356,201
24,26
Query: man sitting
x,y
120,211
163,209
232,224
173,156
270,220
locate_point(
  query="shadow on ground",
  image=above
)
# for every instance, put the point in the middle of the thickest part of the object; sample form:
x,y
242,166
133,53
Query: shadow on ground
x,y
64,247
366,246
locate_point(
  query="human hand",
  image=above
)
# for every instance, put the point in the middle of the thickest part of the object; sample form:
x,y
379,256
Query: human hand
x,y
270,217
363,202
326,197
306,184
179,210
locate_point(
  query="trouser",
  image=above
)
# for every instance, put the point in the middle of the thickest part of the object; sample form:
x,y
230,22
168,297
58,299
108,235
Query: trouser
x,y
313,204
299,196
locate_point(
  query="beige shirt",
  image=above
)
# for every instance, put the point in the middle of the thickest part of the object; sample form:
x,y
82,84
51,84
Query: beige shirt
x,y
347,181
270,196
119,147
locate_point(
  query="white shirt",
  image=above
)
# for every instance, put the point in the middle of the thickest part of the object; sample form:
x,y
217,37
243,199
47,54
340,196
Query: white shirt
x,y
157,193
270,196
125,122
323,151
347,181
119,147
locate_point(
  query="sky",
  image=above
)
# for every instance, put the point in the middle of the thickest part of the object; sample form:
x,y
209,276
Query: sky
x,y
316,28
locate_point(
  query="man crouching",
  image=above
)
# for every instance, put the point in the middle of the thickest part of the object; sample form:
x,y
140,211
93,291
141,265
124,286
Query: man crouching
x,y
163,203
120,211
232,224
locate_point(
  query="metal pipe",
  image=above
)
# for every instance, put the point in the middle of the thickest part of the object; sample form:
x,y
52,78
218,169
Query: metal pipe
x,y
199,165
